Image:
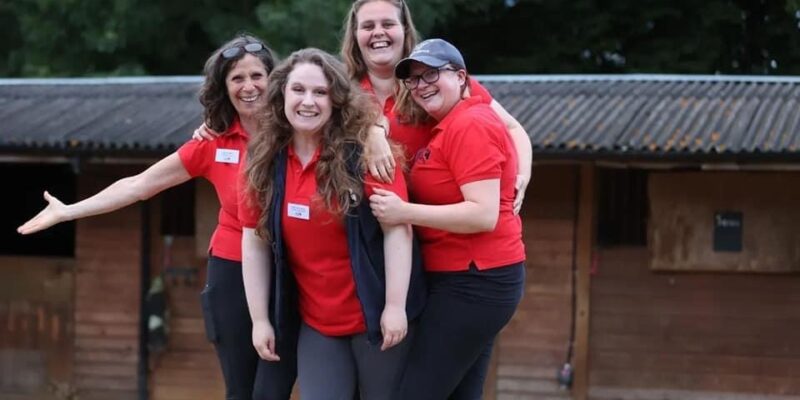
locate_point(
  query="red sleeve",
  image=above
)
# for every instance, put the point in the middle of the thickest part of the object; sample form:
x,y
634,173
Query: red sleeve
x,y
398,185
248,208
478,90
474,147
197,156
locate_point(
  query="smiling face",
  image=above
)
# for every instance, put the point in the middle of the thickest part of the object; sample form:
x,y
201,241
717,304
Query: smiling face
x,y
307,102
437,98
247,83
380,35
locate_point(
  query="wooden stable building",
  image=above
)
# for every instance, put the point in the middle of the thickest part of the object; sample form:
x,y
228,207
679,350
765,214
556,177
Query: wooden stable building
x,y
660,227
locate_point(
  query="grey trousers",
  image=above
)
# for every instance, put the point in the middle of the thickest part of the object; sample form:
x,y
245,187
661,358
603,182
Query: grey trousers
x,y
335,367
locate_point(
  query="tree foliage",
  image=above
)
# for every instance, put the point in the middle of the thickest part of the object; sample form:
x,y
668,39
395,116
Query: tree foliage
x,y
130,37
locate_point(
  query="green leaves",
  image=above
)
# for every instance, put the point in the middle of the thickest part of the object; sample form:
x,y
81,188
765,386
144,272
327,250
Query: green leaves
x,y
113,37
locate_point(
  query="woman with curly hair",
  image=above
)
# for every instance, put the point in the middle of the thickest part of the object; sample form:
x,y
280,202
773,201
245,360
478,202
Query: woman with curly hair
x,y
310,238
234,92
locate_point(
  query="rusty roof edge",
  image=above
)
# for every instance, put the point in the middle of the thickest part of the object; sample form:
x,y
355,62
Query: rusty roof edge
x,y
638,77
117,80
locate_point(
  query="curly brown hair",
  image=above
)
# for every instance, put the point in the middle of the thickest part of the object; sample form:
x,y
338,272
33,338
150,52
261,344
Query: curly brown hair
x,y
218,112
353,112
350,52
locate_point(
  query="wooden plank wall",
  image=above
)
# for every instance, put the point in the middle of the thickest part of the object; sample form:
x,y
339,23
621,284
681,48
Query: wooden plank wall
x,y
691,335
107,285
681,226
35,326
188,368
534,344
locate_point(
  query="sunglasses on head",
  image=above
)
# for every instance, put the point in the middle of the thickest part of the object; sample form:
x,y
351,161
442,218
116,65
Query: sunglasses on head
x,y
236,50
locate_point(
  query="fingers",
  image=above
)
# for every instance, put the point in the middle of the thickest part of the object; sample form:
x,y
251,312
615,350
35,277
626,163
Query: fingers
x,y
373,170
392,338
386,173
267,350
520,185
518,202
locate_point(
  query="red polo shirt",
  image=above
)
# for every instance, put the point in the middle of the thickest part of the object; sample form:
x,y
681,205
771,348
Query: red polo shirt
x,y
414,137
317,251
470,144
218,161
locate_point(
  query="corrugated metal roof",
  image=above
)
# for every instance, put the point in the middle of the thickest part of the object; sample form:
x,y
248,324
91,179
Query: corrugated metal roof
x,y
565,115
655,115
99,116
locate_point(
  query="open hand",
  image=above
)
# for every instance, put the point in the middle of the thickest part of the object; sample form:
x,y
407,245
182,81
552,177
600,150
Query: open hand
x,y
54,213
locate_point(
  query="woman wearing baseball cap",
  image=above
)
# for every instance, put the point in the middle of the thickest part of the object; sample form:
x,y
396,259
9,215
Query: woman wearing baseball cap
x,y
462,185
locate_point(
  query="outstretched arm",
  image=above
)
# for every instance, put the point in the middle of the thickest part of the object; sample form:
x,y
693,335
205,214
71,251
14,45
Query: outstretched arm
x,y
522,143
256,264
164,174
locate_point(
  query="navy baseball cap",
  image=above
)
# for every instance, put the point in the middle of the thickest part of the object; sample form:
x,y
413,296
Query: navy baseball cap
x,y
433,53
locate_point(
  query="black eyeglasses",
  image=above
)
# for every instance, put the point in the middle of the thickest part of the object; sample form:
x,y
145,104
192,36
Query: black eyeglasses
x,y
429,76
236,50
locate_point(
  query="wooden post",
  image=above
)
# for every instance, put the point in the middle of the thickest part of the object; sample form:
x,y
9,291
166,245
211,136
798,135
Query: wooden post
x,y
584,247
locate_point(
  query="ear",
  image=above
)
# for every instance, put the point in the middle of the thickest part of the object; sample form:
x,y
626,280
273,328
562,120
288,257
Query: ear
x,y
462,77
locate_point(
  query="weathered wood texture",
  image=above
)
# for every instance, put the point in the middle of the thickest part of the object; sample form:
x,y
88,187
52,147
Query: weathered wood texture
x,y
35,325
584,247
206,215
188,367
682,207
698,333
107,298
533,346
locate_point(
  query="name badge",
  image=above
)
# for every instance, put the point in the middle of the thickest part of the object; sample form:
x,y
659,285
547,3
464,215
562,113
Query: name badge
x,y
299,211
227,156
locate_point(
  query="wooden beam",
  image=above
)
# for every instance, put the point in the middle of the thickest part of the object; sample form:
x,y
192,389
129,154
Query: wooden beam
x,y
584,246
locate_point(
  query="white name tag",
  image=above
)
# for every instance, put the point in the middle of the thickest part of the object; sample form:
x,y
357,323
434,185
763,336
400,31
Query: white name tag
x,y
227,156
299,211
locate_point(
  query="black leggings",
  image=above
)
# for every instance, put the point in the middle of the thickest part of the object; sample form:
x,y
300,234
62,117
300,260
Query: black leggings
x,y
229,328
449,357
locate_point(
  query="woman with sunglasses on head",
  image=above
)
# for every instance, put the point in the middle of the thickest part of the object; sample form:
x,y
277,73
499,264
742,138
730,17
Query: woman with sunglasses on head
x,y
232,95
378,33
462,185
310,238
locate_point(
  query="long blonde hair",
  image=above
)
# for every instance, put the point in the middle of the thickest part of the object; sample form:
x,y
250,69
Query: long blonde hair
x,y
353,113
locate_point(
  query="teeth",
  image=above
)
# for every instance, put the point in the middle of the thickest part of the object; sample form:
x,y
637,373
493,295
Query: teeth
x,y
428,95
380,45
249,99
306,113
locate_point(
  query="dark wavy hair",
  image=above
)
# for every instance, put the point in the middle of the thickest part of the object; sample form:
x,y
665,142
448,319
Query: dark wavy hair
x,y
353,112
218,112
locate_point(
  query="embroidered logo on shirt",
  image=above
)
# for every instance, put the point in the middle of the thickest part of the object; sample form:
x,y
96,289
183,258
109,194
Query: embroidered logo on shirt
x,y
423,155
